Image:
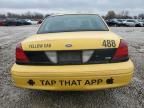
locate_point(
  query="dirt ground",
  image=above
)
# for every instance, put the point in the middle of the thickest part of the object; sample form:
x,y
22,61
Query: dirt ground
x,y
131,96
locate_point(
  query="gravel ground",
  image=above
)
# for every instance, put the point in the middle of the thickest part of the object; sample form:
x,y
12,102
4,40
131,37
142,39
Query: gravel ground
x,y
131,96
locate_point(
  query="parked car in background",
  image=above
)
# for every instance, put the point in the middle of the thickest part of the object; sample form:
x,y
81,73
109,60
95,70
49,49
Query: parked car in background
x,y
16,22
11,22
132,23
34,22
114,22
2,22
142,22
29,20
23,22
121,22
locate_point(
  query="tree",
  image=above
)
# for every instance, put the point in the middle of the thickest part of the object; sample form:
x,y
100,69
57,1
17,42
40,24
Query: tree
x,y
135,17
2,16
28,15
124,15
110,15
141,16
38,16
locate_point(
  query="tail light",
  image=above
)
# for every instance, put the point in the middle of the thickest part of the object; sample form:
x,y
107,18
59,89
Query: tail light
x,y
121,53
20,55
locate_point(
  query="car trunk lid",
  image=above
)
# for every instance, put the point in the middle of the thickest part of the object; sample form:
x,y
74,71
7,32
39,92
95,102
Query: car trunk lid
x,y
70,41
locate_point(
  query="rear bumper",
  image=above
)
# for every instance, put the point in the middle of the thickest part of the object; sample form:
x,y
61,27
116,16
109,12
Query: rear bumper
x,y
74,77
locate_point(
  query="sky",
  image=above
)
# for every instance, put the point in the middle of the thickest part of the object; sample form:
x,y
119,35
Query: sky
x,y
72,6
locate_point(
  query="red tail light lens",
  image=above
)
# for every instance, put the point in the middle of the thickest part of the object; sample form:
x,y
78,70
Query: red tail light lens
x,y
20,55
121,52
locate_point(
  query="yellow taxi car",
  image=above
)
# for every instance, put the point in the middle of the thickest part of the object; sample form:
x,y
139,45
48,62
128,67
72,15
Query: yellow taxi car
x,y
72,52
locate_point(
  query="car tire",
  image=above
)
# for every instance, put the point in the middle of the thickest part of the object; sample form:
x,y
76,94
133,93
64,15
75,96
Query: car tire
x,y
137,25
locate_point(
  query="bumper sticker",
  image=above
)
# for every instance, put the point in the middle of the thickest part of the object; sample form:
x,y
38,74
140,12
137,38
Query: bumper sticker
x,y
71,82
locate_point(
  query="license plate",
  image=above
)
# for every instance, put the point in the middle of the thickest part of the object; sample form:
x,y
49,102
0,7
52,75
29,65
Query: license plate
x,y
69,57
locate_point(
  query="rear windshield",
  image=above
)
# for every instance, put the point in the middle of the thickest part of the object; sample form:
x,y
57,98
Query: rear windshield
x,y
70,23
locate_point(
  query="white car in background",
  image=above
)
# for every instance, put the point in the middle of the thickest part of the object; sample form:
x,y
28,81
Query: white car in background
x,y
132,23
142,22
33,22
